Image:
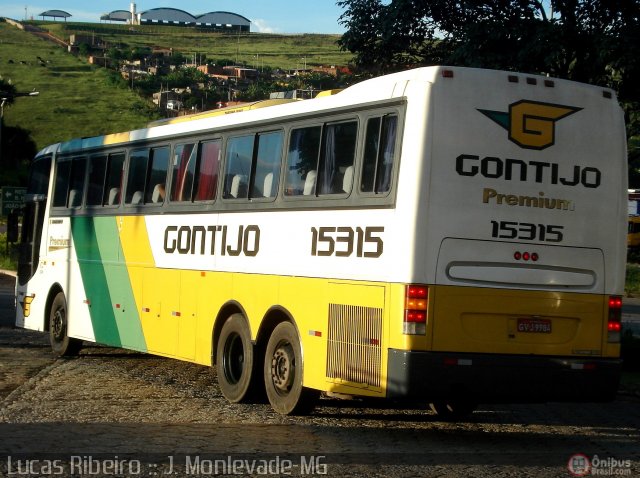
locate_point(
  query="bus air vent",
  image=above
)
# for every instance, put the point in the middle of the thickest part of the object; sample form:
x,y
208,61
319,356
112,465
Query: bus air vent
x,y
354,345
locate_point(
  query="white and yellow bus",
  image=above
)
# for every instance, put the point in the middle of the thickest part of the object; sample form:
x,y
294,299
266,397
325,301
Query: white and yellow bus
x,y
448,235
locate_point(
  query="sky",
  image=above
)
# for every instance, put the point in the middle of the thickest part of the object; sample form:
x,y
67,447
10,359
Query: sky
x,y
274,16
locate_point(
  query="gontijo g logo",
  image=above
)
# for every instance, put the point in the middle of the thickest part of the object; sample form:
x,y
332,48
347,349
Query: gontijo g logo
x,y
531,124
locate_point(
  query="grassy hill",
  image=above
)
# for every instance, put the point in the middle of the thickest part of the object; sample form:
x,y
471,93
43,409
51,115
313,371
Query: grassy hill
x,y
76,99
251,49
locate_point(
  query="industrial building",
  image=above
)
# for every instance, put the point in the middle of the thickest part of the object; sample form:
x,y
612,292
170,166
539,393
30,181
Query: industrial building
x,y
222,21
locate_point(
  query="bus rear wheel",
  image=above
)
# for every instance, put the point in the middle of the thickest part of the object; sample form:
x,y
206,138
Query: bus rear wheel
x,y
283,373
235,359
61,344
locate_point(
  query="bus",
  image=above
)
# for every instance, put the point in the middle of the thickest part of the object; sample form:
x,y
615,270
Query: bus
x,y
633,233
449,236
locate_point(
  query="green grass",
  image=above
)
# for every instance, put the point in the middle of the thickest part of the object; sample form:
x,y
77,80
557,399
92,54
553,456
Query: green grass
x,y
8,262
276,51
76,99
632,282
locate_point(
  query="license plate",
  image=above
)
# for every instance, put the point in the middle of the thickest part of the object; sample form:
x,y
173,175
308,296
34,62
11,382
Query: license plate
x,y
535,326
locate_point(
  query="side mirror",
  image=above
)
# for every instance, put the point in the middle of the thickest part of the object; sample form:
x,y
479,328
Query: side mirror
x,y
12,227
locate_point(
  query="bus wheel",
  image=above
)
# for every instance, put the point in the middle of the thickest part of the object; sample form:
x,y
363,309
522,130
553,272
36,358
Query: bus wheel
x,y
234,359
283,373
452,410
61,344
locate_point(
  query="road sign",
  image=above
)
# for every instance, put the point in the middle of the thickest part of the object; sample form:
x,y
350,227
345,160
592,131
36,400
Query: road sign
x,y
12,198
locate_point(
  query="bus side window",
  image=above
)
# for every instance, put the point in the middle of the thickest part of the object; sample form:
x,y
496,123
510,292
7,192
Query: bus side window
x,y
266,175
113,183
336,166
158,165
379,152
184,167
136,176
238,167
302,161
95,188
77,181
208,168
61,187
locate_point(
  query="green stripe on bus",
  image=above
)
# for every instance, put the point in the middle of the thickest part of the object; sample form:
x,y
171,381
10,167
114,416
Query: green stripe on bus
x,y
127,317
90,260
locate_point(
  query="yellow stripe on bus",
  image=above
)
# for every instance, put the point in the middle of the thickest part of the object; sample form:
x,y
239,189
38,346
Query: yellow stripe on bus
x,y
116,138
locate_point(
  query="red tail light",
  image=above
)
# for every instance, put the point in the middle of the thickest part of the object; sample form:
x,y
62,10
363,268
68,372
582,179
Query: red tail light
x,y
614,323
415,309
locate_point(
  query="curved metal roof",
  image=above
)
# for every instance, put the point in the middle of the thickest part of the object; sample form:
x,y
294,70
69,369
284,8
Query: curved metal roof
x,y
55,13
117,15
167,15
223,18
174,15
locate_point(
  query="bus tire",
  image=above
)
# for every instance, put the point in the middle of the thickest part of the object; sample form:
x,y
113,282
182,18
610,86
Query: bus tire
x,y
283,373
61,344
235,359
453,410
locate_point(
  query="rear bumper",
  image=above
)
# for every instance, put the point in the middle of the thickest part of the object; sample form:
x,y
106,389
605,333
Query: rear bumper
x,y
500,378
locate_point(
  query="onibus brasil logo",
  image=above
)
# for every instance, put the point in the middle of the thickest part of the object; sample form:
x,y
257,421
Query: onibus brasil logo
x,y
531,124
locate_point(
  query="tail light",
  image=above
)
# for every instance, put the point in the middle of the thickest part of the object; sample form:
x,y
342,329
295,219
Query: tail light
x,y
415,310
614,323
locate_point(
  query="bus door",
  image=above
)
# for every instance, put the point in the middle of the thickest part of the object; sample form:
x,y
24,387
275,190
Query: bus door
x,y
29,250
33,218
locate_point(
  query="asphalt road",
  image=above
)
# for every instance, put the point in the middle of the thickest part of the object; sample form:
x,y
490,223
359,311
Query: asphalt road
x,y
162,417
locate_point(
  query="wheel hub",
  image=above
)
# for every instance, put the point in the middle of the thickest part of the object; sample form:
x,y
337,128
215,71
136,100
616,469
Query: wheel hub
x,y
58,325
233,359
282,368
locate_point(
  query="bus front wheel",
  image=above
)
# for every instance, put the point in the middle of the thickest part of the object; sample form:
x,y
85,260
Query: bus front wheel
x,y
61,344
283,373
235,359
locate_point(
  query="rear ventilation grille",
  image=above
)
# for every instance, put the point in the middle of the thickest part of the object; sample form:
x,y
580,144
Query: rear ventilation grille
x,y
354,346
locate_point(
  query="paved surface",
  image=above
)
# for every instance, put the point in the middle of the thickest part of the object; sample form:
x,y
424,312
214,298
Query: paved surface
x,y
155,416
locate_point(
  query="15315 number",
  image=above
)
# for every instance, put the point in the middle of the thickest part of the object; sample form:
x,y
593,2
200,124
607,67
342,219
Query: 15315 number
x,y
344,241
526,231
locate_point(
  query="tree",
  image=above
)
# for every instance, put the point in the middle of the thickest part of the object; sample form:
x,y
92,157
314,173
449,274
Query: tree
x,y
18,148
84,49
584,40
592,41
